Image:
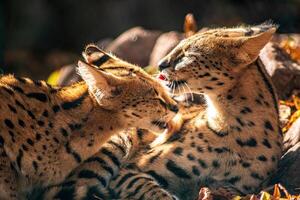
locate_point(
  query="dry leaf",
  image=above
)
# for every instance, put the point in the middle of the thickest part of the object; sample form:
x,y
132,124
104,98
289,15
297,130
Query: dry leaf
x,y
276,193
292,48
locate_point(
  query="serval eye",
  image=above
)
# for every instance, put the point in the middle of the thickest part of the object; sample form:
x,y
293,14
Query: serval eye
x,y
164,64
173,108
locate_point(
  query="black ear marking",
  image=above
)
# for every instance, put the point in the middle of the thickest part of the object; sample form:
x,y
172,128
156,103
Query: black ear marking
x,y
249,32
91,48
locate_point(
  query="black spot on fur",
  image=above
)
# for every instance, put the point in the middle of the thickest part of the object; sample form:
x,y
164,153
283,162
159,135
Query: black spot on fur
x,y
9,123
234,180
246,110
18,89
35,165
21,123
11,108
268,125
8,90
240,121
19,158
1,141
246,164
45,113
218,133
40,123
202,163
229,97
64,132
251,142
38,96
221,150
73,104
215,164
30,142
266,143
190,156
176,170
262,158
55,108
195,171
257,176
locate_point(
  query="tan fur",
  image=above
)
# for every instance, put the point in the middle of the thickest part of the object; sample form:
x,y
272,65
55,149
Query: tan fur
x,y
231,144
235,143
46,132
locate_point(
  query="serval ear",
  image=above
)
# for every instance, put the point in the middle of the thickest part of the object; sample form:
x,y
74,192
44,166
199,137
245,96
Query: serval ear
x,y
255,39
101,84
96,56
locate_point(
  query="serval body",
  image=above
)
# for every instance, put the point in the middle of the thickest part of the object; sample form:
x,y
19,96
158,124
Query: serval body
x,y
46,132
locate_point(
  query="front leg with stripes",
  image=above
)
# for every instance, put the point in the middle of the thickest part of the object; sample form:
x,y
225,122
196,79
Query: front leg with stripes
x,y
135,185
90,179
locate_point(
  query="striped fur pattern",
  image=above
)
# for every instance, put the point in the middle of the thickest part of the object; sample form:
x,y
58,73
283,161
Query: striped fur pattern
x,y
47,132
233,146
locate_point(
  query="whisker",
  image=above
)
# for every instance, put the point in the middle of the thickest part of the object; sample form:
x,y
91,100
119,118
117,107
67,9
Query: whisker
x,y
184,94
189,91
173,88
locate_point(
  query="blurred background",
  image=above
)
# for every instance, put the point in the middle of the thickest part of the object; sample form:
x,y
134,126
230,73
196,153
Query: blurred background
x,y
39,36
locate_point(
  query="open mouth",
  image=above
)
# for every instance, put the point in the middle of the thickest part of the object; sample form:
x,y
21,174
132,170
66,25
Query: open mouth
x,y
169,83
160,124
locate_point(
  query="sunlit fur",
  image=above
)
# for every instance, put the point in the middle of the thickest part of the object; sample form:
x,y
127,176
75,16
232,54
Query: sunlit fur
x,y
46,132
234,144
231,144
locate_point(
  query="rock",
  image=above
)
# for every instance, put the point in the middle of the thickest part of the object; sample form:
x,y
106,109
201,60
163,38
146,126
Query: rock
x,y
164,44
288,173
104,43
284,71
134,45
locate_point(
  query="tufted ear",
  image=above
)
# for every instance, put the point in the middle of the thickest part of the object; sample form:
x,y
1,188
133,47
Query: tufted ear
x,y
101,84
260,36
96,56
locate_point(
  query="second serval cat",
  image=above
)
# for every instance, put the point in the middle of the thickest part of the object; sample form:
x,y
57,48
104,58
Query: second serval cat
x,y
46,132
231,145
234,145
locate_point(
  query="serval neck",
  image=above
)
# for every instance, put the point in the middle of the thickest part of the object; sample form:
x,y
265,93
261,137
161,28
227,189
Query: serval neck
x,y
81,110
242,97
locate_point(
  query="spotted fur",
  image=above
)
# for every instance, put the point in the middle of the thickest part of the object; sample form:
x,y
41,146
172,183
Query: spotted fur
x,y
47,132
230,144
233,146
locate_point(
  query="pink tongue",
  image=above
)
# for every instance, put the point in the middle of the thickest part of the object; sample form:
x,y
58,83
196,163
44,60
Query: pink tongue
x,y
162,77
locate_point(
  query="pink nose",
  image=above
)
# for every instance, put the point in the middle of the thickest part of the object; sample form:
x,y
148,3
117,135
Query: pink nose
x,y
162,77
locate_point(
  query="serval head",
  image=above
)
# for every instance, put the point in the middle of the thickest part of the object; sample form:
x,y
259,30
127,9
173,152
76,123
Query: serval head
x,y
210,61
119,86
